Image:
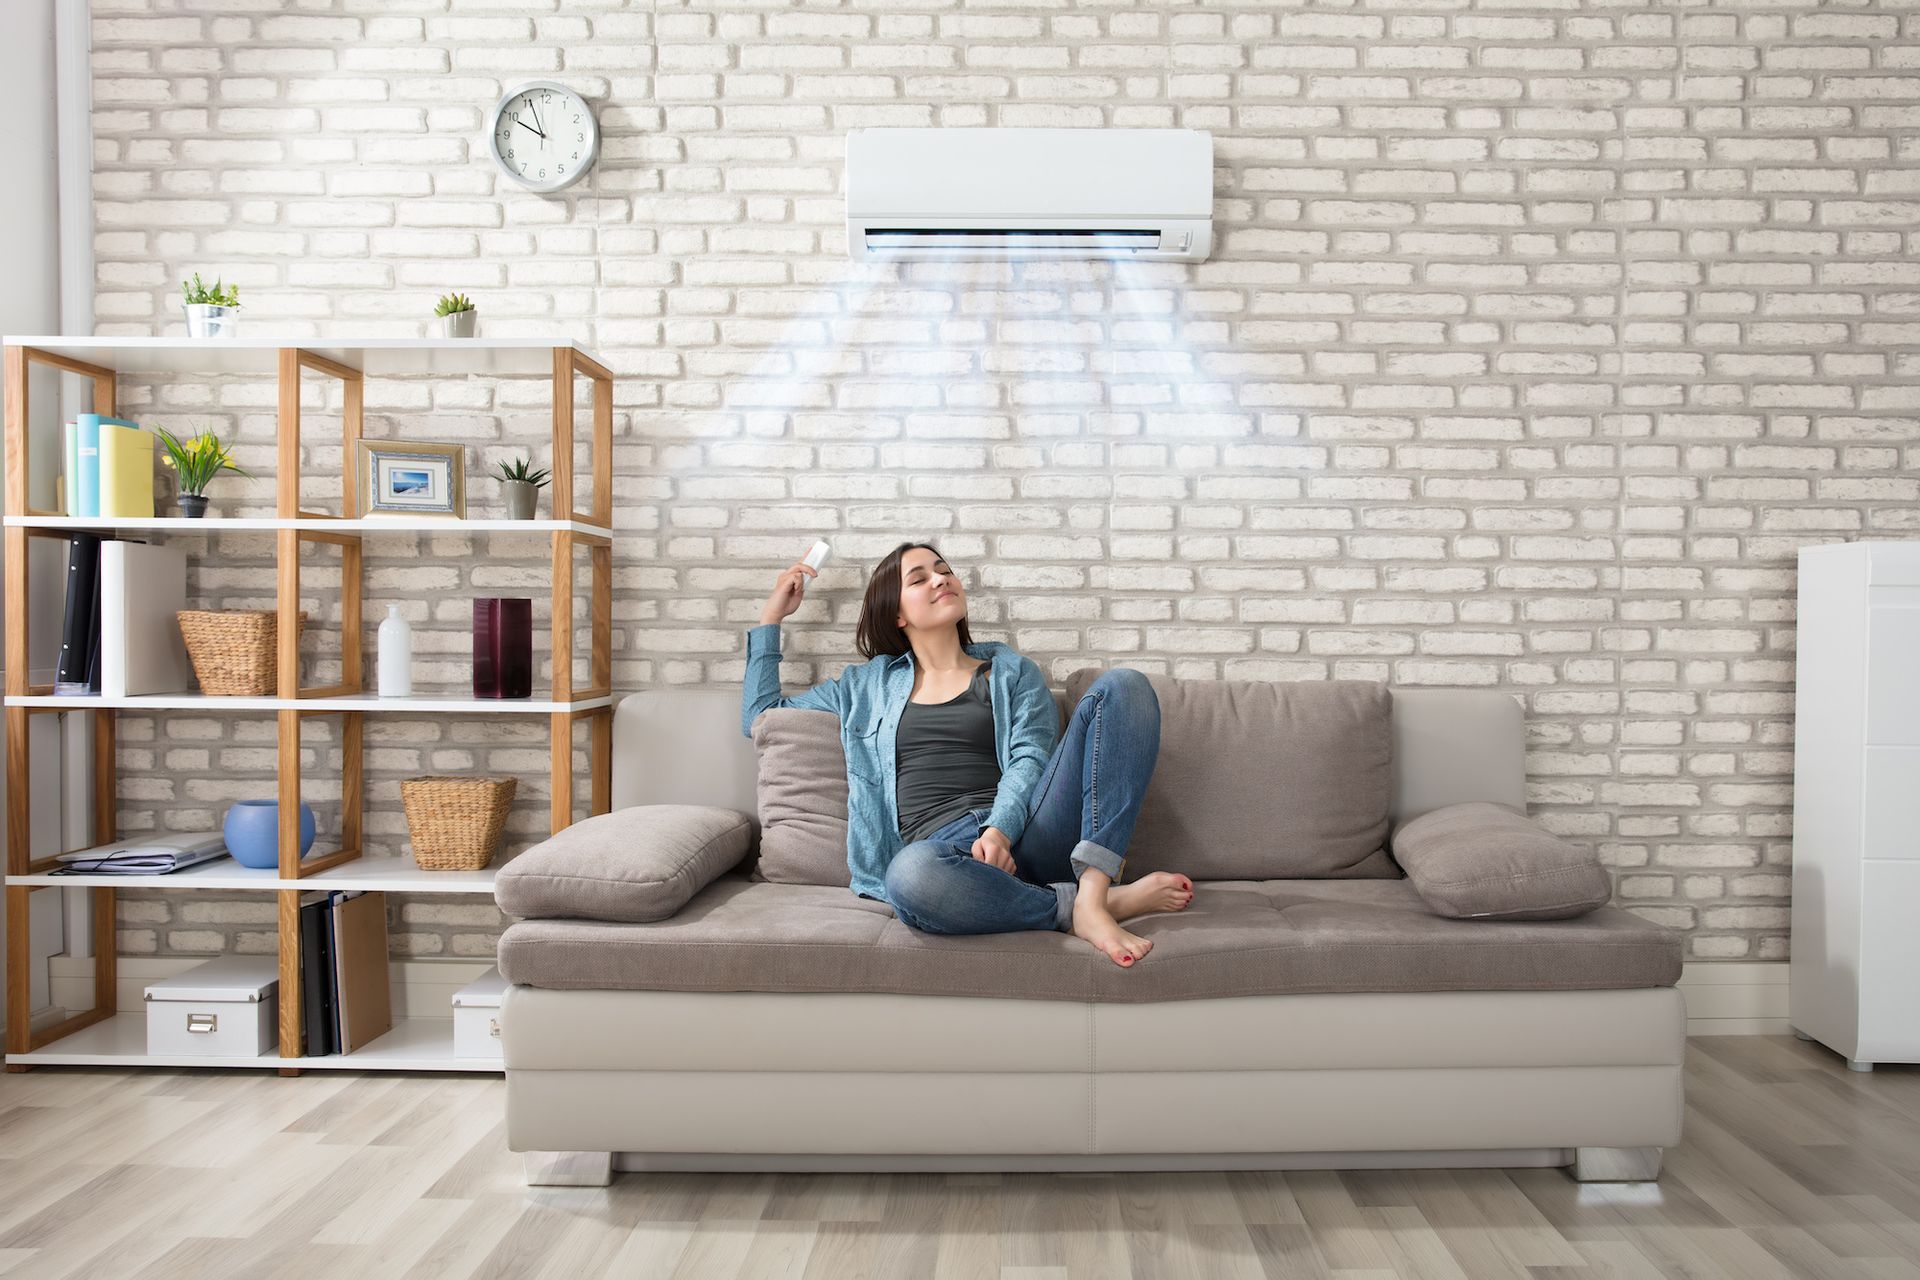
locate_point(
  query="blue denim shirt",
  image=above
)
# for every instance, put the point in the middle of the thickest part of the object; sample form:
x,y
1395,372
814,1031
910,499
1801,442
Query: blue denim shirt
x,y
869,699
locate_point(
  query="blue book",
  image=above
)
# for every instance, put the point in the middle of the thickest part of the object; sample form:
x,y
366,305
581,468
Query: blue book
x,y
85,490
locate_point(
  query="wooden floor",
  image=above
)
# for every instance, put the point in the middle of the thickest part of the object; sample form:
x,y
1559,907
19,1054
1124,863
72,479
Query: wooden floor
x,y
1791,1166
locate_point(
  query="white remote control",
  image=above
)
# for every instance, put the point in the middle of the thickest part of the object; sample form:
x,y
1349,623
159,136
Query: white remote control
x,y
817,556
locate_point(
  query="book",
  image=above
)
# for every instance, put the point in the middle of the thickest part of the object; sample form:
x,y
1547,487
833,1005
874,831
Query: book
x,y
316,975
154,856
141,650
365,1004
76,628
126,471
86,472
69,498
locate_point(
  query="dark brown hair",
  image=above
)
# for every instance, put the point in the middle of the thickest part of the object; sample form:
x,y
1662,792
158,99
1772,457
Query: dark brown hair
x,y
878,632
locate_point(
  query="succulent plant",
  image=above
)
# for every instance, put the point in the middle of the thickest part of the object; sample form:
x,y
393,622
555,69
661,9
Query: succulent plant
x,y
522,469
452,302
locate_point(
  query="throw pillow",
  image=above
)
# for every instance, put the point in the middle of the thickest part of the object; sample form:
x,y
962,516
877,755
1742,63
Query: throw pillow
x,y
1486,861
802,798
635,864
1260,780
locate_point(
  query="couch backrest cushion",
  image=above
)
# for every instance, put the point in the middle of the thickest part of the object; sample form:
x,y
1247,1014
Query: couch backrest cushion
x,y
802,797
1261,780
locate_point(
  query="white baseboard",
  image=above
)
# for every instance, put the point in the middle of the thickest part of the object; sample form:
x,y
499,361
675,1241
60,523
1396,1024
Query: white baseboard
x,y
1735,998
421,988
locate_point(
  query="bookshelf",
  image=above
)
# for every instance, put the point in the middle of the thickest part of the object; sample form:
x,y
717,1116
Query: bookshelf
x,y
102,1035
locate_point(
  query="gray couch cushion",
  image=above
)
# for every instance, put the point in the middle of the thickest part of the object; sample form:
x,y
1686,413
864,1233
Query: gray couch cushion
x,y
1260,780
1235,938
1485,861
636,864
802,797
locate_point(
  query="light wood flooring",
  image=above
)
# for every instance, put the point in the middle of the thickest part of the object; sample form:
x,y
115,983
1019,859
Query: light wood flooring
x,y
1790,1166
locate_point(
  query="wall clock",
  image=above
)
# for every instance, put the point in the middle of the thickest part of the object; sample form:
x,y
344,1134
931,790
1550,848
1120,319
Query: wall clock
x,y
543,135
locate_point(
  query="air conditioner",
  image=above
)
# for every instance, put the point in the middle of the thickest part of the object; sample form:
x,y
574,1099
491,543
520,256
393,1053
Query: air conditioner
x,y
1030,193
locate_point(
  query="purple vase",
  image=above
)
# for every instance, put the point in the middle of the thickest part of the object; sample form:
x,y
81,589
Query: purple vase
x,y
503,647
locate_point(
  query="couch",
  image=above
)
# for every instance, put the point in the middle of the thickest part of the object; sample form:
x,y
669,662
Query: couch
x,y
1285,1022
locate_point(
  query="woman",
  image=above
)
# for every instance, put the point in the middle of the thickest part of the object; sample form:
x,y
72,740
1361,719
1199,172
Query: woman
x,y
961,815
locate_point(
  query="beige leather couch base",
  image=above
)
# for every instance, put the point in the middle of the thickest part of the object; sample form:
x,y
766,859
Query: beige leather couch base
x,y
860,1074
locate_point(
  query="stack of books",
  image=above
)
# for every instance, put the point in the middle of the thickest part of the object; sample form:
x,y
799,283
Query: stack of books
x,y
345,1000
119,635
109,468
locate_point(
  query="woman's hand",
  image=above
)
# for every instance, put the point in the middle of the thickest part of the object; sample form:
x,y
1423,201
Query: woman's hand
x,y
994,848
788,592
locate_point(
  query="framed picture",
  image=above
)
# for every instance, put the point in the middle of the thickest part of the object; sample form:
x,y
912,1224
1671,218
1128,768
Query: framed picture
x,y
412,479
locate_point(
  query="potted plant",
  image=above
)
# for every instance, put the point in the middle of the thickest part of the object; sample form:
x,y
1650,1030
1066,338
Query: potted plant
x,y
197,461
521,484
212,311
456,315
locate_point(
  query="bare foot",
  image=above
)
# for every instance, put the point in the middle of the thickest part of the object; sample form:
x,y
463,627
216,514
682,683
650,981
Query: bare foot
x,y
1157,891
1097,926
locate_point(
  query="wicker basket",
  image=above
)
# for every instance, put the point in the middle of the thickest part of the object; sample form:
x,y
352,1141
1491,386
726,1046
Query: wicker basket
x,y
233,650
456,822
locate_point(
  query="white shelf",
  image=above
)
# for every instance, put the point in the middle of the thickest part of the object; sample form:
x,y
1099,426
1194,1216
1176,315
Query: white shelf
x,y
381,875
219,703
267,524
414,1044
376,357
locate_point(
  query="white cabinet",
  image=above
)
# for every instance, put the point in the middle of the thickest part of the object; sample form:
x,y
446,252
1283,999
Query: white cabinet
x,y
1854,977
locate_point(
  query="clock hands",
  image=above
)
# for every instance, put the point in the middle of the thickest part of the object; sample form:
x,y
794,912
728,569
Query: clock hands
x,y
529,128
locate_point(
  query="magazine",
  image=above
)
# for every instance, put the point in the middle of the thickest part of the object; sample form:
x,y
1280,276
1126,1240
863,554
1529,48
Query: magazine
x,y
154,856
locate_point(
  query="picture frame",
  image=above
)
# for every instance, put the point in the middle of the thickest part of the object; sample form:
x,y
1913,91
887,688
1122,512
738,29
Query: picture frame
x,y
412,479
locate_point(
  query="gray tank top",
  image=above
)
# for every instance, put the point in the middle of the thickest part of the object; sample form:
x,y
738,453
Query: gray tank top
x,y
944,759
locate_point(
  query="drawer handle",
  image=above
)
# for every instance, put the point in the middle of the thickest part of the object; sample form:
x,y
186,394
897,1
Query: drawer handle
x,y
201,1024
493,1028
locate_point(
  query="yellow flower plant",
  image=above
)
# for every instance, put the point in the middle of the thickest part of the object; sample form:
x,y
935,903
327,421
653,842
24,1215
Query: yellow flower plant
x,y
197,460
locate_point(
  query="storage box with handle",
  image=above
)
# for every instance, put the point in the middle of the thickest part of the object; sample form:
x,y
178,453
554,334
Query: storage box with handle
x,y
228,1007
476,1017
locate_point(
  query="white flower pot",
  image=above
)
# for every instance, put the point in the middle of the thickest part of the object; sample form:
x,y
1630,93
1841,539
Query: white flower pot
x,y
458,324
205,320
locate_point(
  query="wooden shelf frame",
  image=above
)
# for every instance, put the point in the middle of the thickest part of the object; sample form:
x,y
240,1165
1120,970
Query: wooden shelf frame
x,y
294,528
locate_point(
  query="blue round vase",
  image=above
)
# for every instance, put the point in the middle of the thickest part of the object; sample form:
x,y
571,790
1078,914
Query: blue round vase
x,y
252,830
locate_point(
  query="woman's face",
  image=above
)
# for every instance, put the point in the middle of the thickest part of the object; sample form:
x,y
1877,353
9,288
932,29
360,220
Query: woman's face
x,y
930,593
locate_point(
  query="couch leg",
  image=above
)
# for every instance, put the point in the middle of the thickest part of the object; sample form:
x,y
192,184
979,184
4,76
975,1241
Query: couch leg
x,y
569,1168
1616,1164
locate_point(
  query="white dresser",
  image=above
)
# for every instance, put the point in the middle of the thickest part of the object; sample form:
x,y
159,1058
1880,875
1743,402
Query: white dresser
x,y
1855,970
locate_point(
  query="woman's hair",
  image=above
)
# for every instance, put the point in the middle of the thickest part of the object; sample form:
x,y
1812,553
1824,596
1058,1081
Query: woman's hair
x,y
878,632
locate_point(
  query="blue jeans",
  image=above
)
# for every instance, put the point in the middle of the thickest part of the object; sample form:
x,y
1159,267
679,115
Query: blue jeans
x,y
1081,815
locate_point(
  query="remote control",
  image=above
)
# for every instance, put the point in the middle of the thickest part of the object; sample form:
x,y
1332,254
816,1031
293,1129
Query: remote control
x,y
817,556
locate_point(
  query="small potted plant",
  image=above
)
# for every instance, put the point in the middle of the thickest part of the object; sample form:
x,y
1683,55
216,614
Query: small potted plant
x,y
456,315
196,461
521,484
213,311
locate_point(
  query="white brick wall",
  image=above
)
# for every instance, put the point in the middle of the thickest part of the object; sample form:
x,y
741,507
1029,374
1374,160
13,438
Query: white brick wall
x,y
1538,338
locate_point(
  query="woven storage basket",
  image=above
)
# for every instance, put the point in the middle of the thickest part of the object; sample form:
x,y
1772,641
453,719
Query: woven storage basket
x,y
456,821
234,650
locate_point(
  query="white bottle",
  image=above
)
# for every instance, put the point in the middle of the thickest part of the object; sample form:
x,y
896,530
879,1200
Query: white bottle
x,y
396,655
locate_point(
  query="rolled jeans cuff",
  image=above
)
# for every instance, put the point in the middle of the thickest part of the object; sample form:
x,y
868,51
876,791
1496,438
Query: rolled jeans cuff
x,y
1099,857
1063,908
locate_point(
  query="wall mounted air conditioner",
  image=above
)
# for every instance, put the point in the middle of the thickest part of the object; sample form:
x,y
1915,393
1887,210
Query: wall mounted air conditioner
x,y
1029,193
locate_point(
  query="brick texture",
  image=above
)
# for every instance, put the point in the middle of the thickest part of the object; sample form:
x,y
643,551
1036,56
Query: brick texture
x,y
1537,339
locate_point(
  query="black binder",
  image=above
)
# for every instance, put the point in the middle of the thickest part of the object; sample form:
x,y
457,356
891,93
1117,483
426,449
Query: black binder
x,y
316,979
78,671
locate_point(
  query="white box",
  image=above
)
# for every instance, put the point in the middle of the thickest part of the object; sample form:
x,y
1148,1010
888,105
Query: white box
x,y
476,1017
227,1007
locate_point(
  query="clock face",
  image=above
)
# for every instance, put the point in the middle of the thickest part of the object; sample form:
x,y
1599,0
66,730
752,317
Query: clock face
x,y
543,136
